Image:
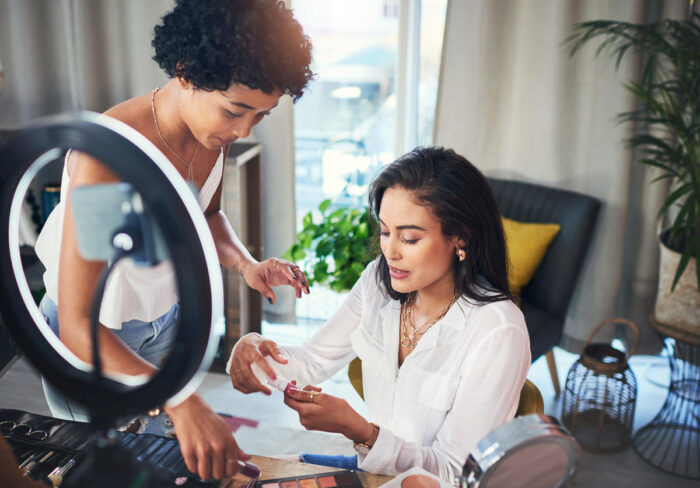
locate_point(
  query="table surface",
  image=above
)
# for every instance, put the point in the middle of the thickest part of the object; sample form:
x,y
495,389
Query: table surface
x,y
273,468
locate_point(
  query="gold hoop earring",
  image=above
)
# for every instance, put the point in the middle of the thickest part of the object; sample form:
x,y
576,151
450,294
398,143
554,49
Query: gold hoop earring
x,y
461,254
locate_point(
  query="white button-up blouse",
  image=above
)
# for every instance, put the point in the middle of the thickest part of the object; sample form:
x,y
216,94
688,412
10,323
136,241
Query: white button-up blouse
x,y
462,380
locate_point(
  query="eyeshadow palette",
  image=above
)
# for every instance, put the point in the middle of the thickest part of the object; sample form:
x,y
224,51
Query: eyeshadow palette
x,y
335,479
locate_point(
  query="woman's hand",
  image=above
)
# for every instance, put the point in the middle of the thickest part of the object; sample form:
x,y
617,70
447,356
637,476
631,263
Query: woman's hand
x,y
252,348
320,411
205,439
264,275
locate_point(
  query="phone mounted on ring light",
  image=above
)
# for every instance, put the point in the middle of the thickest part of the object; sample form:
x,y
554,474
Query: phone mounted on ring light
x,y
111,218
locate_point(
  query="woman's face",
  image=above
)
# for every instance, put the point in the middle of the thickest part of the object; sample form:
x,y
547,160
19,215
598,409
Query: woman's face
x,y
419,255
217,118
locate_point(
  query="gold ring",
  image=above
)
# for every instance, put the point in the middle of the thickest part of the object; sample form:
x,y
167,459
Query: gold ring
x,y
236,372
274,264
311,397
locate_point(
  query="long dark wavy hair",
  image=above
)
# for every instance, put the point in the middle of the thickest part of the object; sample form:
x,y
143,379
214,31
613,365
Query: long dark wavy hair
x,y
459,196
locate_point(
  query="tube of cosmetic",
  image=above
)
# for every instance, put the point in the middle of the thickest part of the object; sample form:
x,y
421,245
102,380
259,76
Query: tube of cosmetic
x,y
279,383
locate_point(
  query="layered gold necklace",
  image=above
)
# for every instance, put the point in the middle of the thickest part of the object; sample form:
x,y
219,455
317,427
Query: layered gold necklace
x,y
187,164
411,333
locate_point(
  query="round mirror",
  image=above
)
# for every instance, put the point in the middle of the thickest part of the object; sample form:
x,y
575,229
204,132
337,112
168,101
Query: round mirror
x,y
533,451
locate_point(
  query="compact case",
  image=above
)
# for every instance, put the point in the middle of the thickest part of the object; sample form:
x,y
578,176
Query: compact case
x,y
68,440
533,451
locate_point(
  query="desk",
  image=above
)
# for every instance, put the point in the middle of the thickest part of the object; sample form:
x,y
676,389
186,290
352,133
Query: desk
x,y
273,468
671,441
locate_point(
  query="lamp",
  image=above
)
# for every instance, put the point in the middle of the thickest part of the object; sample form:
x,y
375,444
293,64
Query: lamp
x,y
187,240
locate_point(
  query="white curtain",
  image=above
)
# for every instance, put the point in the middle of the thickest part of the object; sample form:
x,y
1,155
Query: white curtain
x,y
66,55
513,102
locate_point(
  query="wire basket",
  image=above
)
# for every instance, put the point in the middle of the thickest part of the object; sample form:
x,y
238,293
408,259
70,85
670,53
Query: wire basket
x,y
600,394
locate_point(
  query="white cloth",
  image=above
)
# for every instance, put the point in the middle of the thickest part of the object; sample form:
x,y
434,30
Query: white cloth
x,y
462,381
397,482
132,292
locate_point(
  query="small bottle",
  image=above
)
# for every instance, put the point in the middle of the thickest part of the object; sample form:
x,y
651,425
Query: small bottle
x,y
279,383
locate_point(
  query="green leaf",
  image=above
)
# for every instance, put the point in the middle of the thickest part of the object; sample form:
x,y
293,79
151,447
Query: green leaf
x,y
324,205
289,253
675,195
324,246
306,241
362,231
683,263
307,221
341,255
356,270
297,255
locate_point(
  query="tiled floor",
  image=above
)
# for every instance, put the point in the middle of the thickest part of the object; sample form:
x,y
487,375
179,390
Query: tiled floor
x,y
278,431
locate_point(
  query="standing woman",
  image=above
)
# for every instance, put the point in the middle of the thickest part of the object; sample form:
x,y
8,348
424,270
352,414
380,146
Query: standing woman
x,y
229,62
444,349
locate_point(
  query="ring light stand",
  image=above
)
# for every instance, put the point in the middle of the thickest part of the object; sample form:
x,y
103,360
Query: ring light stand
x,y
189,245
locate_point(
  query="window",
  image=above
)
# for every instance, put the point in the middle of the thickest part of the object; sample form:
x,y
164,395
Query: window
x,y
346,125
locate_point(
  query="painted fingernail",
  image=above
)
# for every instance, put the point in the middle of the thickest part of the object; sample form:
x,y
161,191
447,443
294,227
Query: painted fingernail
x,y
249,469
303,283
270,300
294,277
291,389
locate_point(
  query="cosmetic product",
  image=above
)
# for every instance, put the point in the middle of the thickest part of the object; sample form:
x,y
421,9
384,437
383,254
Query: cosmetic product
x,y
26,471
336,479
41,466
56,476
29,459
46,457
248,469
279,383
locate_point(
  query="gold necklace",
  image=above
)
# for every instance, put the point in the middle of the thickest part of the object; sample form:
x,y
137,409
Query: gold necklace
x,y
411,337
187,164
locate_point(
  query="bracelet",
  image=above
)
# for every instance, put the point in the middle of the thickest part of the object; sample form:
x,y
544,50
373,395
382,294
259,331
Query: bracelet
x,y
370,440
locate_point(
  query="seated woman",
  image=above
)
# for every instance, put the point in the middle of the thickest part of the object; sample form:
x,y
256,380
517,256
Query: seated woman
x,y
444,348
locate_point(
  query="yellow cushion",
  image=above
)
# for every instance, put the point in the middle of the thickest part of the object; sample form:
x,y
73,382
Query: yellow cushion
x,y
530,400
527,244
355,375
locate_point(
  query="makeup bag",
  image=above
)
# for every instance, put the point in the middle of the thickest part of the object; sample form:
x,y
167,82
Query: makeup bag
x,y
69,440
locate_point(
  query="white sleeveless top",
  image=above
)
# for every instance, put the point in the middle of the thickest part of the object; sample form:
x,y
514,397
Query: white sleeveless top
x,y
132,292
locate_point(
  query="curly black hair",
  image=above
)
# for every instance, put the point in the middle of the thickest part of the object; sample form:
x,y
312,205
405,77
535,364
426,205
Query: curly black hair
x,y
214,43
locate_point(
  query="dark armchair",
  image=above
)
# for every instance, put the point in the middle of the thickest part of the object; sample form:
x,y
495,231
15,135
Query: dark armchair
x,y
546,298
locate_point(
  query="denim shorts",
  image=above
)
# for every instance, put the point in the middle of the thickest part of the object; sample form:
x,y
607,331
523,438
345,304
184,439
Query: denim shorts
x,y
150,340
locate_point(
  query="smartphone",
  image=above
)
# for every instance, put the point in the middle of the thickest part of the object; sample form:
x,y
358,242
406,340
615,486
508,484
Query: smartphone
x,y
111,216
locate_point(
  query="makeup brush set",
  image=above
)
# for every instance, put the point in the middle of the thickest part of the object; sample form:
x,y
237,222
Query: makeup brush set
x,y
51,450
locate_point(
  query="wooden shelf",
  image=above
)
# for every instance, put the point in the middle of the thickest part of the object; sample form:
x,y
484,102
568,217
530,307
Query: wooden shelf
x,y
241,201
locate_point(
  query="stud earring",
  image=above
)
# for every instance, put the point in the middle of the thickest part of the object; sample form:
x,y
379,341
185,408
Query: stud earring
x,y
461,254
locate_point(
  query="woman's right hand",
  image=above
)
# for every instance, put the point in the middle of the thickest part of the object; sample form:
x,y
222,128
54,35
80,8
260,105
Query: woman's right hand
x,y
252,348
205,439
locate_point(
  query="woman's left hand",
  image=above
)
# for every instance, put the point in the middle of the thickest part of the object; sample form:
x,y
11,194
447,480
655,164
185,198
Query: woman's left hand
x,y
320,411
264,275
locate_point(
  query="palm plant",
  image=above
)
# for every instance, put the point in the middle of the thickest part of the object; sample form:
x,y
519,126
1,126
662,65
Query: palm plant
x,y
667,119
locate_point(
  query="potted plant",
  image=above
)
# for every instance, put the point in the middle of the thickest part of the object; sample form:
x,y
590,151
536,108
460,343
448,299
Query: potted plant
x,y
336,250
668,140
